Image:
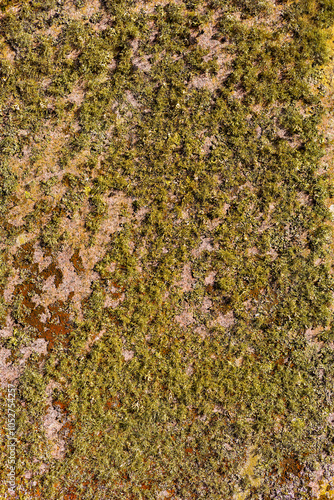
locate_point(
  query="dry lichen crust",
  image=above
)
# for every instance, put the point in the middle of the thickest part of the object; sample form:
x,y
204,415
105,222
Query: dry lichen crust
x,y
166,281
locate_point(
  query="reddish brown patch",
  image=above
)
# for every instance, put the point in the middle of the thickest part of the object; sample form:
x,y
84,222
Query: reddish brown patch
x,y
32,311
59,326
71,494
62,405
52,270
77,262
146,486
290,466
69,428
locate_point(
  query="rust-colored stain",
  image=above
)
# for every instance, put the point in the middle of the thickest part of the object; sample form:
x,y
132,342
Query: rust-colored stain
x,y
71,494
58,326
52,270
77,262
63,406
290,466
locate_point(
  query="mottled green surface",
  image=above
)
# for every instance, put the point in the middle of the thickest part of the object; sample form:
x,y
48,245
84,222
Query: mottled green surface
x,y
231,160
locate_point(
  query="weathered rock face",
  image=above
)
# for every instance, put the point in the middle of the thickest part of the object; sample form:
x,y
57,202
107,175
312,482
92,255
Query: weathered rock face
x,y
165,271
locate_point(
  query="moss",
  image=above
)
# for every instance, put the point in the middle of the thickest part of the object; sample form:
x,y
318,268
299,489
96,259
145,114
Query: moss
x,y
50,233
215,175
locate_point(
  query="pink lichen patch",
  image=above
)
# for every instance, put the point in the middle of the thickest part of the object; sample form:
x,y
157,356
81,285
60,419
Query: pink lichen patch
x,y
10,372
74,227
227,320
110,268
201,331
189,370
187,281
95,338
7,330
216,50
7,53
314,484
142,63
16,214
40,258
77,95
114,297
238,361
164,495
207,144
127,354
214,223
252,251
248,304
72,282
12,282
272,253
148,6
39,346
312,333
186,318
131,99
111,223
45,316
210,278
204,246
86,11
206,305
140,214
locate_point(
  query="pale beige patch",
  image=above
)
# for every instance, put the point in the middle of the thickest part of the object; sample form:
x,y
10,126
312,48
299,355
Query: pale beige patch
x,y
111,223
202,331
148,6
9,372
127,354
238,361
6,52
131,99
210,278
110,301
311,333
252,251
89,8
206,305
315,484
7,330
248,470
40,259
207,144
16,214
165,495
94,339
74,227
226,320
218,51
214,223
15,279
53,421
204,246
186,318
77,95
187,281
189,370
272,253
39,346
